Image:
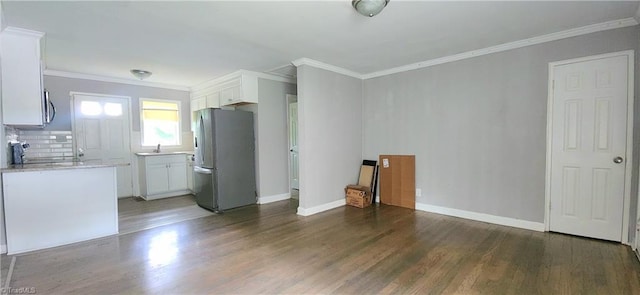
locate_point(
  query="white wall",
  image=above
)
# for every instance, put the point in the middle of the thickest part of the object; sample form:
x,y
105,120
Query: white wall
x,y
478,126
272,151
330,135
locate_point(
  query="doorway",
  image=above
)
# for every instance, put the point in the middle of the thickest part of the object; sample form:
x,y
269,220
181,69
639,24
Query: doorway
x,y
101,127
292,124
589,129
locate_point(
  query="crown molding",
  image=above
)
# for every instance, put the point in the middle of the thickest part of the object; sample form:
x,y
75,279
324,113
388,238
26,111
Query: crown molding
x,y
64,74
610,25
320,65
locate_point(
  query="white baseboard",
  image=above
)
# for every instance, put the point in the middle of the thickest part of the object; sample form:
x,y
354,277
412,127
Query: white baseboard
x,y
321,208
519,223
274,198
3,249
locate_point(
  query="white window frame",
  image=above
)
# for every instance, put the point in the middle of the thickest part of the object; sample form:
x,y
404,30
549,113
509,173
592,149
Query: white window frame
x,y
178,102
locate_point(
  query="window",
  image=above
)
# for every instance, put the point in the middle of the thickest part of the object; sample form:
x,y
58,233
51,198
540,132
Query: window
x,y
90,108
160,120
96,108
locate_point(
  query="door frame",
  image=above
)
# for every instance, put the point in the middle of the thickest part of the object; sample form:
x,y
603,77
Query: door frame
x,y
135,187
289,98
629,148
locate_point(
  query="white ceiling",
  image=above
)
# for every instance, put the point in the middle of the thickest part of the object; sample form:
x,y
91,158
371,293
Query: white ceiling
x,y
187,43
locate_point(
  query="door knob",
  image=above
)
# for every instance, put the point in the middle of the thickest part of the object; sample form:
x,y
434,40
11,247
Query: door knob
x,y
617,160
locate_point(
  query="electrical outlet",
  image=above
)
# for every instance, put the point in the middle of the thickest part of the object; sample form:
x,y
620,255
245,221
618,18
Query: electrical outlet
x,y
418,192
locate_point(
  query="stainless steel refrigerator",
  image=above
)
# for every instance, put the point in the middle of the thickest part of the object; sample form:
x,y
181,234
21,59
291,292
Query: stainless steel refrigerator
x,y
224,168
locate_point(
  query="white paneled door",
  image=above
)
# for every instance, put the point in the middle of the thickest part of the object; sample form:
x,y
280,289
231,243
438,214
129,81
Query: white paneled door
x,y
588,147
102,132
293,143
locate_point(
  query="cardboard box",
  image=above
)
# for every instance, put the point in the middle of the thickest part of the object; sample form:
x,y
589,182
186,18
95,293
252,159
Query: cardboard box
x,y
358,196
398,180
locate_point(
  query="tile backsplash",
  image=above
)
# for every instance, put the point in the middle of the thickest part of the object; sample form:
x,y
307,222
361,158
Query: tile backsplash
x,y
44,144
59,144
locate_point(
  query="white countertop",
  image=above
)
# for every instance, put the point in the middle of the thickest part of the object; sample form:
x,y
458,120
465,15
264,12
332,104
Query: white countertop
x,y
60,165
165,153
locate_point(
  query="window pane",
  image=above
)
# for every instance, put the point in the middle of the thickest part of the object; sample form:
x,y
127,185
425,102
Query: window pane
x,y
113,109
90,108
160,123
160,132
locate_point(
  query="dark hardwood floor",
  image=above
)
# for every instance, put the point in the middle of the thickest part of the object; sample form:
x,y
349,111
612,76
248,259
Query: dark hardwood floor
x,y
269,249
136,214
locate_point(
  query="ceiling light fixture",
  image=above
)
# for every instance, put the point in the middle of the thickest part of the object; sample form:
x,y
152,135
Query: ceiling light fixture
x,y
141,74
369,7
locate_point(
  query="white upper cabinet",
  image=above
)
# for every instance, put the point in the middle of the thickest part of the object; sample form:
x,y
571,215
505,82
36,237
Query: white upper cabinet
x,y
22,89
238,88
213,100
241,89
198,103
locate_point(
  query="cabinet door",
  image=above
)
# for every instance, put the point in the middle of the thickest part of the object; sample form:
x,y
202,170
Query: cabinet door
x,y
249,91
22,101
213,100
157,178
237,93
198,103
202,103
177,176
226,96
194,105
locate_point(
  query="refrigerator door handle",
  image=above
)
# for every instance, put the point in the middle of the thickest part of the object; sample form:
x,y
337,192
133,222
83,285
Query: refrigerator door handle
x,y
203,142
201,170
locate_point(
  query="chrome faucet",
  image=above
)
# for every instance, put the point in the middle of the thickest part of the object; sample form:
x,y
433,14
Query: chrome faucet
x,y
157,150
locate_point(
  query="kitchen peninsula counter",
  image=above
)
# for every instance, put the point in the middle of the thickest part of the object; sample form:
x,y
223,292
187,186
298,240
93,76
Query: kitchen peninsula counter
x,y
54,204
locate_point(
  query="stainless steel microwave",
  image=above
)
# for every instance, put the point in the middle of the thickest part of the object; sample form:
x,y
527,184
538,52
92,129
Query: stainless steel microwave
x,y
49,109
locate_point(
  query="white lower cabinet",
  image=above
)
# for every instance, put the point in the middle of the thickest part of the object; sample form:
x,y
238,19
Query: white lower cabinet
x,y
157,177
178,175
163,176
